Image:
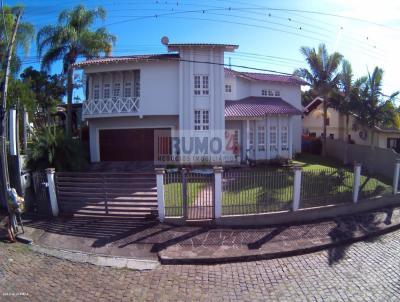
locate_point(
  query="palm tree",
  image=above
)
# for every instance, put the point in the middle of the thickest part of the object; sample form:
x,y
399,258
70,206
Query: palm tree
x,y
375,109
323,76
23,38
72,38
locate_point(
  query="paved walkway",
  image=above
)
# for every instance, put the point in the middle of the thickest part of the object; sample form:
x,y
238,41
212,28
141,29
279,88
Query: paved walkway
x,y
364,271
195,244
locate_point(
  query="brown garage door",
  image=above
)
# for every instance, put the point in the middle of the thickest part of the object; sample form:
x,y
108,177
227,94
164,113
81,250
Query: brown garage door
x,y
127,144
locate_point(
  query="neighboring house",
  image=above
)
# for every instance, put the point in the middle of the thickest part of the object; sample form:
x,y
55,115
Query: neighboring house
x,y
188,93
336,128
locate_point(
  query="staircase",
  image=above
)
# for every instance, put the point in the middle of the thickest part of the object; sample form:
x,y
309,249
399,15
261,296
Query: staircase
x,y
107,194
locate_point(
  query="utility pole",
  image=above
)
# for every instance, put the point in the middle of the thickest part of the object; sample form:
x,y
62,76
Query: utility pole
x,y
4,177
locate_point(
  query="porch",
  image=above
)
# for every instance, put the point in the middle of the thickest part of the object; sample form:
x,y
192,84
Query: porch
x,y
263,128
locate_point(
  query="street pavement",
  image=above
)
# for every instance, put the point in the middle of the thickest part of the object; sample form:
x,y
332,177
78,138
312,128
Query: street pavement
x,y
364,271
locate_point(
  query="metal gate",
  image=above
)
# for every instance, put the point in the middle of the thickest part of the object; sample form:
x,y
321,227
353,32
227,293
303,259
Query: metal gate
x,y
107,194
198,195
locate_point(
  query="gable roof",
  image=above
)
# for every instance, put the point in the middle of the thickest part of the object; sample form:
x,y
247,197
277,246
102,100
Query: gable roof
x,y
268,77
127,59
258,107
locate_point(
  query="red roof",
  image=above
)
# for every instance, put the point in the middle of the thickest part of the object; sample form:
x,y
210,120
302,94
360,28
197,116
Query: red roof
x,y
269,77
126,59
259,107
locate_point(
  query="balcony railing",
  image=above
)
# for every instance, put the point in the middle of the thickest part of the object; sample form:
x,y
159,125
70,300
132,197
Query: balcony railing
x,y
112,106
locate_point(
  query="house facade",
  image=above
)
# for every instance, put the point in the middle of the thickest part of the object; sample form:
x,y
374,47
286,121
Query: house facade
x,y
184,102
336,128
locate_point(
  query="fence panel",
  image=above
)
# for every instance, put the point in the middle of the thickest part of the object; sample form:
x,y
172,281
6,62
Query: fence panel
x,y
326,186
173,194
371,185
256,191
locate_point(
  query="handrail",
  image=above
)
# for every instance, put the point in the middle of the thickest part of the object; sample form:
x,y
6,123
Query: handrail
x,y
114,105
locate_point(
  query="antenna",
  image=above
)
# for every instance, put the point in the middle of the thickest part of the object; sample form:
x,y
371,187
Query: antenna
x,y
165,40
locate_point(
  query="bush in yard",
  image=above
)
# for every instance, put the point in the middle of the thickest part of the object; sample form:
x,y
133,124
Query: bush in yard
x,y
52,148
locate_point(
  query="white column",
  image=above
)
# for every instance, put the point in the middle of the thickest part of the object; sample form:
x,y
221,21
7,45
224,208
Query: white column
x,y
396,176
268,141
357,179
247,139
218,191
160,172
12,131
296,187
278,136
290,137
52,191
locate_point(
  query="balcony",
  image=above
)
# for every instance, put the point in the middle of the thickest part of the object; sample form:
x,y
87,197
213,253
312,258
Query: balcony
x,y
116,106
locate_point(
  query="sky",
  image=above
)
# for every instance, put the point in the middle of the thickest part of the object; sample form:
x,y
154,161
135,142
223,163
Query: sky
x,y
269,33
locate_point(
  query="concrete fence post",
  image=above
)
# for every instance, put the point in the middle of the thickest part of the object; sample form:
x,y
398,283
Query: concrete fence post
x,y
296,187
218,192
50,172
160,172
356,181
396,176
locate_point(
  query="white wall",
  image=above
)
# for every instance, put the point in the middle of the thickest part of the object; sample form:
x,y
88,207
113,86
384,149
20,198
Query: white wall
x,y
158,84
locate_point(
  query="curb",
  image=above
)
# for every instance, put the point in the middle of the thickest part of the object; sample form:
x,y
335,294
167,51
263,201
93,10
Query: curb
x,y
165,260
95,259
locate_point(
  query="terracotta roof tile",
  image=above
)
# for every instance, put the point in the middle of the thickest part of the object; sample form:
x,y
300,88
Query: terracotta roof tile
x,y
269,77
258,107
126,59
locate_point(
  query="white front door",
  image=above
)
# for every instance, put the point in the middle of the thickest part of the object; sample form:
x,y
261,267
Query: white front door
x,y
273,138
261,152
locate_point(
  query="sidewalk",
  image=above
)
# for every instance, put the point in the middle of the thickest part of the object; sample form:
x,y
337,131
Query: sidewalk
x,y
169,244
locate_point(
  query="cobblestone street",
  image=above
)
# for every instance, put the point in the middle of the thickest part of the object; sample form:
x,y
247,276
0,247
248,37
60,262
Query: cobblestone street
x,y
366,271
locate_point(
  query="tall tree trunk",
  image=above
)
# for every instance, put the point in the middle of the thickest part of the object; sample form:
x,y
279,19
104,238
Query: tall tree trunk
x,y
325,106
4,177
69,101
346,139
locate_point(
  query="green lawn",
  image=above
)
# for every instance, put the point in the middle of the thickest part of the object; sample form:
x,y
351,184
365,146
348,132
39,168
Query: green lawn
x,y
324,181
173,196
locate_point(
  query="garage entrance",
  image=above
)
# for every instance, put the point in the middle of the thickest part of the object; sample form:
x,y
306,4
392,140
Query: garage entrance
x,y
127,144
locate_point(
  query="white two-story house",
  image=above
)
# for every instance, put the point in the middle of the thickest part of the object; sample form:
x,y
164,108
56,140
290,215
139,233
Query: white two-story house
x,y
188,93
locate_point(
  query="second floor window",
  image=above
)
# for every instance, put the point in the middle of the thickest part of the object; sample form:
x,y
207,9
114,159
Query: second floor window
x,y
228,88
201,85
128,89
106,91
96,91
117,89
201,120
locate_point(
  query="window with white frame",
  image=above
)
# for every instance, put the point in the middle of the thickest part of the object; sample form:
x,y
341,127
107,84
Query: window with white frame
x,y
284,137
264,92
201,85
136,92
117,89
127,89
270,93
106,91
272,136
251,138
96,91
228,88
205,85
201,120
277,93
261,138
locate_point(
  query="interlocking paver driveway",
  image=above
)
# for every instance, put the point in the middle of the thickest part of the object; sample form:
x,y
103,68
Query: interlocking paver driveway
x,y
365,271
